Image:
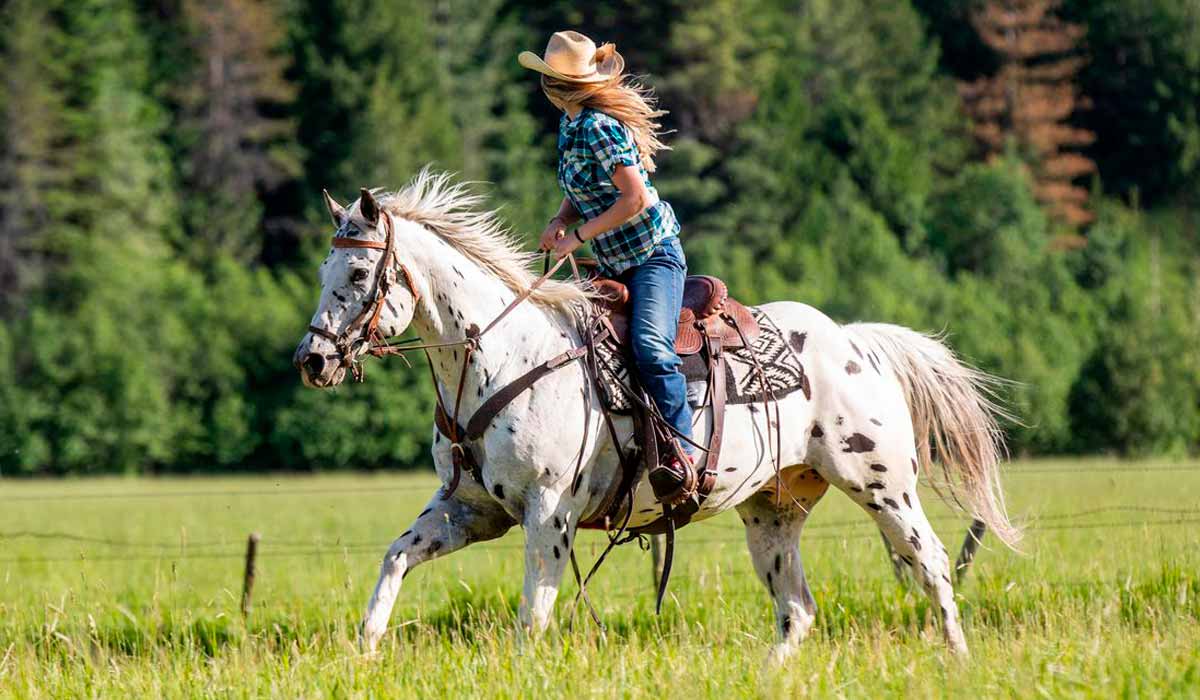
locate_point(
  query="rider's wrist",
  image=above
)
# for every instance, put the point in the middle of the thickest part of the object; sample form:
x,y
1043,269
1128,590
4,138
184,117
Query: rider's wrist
x,y
579,237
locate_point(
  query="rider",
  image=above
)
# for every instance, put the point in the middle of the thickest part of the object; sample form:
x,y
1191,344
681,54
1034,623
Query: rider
x,y
607,138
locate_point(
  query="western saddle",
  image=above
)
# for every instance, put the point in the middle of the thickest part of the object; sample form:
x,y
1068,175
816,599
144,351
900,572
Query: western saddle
x,y
707,312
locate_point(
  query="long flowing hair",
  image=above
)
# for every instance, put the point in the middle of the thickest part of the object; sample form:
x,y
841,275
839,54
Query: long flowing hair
x,y
622,98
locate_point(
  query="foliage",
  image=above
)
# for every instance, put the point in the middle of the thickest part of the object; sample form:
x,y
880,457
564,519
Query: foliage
x,y
160,164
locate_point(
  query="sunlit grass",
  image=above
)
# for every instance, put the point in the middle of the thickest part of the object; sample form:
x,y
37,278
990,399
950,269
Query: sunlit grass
x,y
133,587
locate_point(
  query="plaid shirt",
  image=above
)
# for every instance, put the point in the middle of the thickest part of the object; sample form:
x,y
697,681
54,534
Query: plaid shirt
x,y
590,147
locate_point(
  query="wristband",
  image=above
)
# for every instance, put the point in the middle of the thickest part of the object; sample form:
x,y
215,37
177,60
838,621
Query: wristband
x,y
579,238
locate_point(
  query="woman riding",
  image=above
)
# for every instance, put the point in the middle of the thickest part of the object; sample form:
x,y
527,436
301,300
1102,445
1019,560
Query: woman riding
x,y
607,139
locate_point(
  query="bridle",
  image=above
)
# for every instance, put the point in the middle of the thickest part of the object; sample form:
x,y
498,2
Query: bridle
x,y
367,322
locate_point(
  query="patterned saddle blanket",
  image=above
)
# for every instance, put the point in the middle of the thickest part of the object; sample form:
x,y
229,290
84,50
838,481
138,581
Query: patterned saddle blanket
x,y
779,356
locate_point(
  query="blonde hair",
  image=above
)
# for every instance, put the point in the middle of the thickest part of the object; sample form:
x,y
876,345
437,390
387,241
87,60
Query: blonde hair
x,y
620,97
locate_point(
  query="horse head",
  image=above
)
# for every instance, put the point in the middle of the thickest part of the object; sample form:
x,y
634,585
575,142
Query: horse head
x,y
366,293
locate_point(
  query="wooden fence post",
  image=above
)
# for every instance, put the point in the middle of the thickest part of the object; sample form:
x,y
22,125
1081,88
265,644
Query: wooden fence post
x,y
248,580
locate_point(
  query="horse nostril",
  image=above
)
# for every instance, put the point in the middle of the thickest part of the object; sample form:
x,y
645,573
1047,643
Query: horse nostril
x,y
314,364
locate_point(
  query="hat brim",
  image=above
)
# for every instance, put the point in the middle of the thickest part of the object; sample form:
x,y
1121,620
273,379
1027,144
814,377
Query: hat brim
x,y
532,61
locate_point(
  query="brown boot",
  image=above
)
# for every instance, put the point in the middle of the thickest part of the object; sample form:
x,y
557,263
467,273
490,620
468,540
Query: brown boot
x,y
674,479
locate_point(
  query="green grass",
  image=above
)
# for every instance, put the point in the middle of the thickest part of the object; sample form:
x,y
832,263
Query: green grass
x,y
1106,604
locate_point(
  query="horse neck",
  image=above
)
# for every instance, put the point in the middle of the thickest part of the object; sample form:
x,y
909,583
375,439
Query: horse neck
x,y
460,294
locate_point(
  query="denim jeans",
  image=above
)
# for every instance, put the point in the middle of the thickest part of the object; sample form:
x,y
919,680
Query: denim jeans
x,y
655,297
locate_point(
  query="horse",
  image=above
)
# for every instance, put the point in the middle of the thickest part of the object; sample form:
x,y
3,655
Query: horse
x,y
880,404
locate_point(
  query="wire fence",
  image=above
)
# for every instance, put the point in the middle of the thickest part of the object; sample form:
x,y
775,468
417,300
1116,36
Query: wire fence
x,y
713,534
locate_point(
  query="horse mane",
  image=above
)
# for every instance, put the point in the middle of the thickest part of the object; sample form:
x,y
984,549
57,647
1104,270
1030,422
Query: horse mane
x,y
459,217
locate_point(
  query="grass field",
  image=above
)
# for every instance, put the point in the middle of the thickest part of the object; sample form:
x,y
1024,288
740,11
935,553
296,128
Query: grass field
x,y
132,587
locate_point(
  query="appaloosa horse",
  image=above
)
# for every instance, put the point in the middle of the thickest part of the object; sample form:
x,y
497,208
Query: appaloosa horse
x,y
881,401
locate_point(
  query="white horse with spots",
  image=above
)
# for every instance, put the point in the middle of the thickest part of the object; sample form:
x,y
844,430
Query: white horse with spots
x,y
883,398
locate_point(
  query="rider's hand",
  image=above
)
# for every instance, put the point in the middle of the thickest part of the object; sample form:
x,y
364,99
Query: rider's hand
x,y
555,232
565,246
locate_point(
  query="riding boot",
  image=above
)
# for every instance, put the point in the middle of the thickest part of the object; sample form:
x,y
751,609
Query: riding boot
x,y
674,479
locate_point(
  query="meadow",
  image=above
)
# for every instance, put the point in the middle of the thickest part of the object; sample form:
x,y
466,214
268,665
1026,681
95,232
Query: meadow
x,y
132,587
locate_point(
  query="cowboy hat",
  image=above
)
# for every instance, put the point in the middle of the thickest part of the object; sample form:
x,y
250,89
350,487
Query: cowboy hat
x,y
572,57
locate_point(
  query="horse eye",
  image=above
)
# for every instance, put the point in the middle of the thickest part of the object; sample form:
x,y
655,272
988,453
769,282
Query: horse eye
x,y
358,275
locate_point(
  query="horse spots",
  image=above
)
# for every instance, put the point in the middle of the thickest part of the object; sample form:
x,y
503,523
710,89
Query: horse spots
x,y
388,304
874,506
435,546
892,503
915,542
557,523
557,554
513,431
875,485
756,520
914,465
805,386
406,534
424,513
907,500
786,625
907,559
878,468
479,391
457,272
876,421
498,490
754,408
859,443
856,489
852,367
874,364
778,562
416,540
817,431
856,350
730,469
566,541
776,523
771,584
437,437
797,341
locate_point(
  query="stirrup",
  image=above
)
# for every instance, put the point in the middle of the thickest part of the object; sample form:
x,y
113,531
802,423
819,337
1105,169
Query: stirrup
x,y
670,486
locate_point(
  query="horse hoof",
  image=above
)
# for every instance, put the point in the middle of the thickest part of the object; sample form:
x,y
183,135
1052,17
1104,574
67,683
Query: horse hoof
x,y
779,654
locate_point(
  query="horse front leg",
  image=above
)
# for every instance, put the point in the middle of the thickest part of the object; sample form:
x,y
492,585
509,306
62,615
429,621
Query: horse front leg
x,y
549,533
444,526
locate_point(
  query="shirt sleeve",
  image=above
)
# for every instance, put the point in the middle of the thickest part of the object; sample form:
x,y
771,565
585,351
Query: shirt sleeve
x,y
611,143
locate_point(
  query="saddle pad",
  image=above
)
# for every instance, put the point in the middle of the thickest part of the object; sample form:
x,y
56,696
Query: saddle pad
x,y
779,355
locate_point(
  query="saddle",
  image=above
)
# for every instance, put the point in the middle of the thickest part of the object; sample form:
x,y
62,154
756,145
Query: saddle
x,y
707,312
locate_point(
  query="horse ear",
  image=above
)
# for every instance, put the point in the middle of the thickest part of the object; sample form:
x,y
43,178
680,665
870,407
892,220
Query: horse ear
x,y
336,211
368,206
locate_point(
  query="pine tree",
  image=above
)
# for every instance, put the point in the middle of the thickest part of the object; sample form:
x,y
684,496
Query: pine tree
x,y
31,110
1032,98
233,109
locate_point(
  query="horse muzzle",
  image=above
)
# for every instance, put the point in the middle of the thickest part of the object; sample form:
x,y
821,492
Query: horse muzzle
x,y
317,369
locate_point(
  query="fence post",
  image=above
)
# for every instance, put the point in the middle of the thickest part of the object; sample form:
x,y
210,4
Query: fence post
x,y
248,579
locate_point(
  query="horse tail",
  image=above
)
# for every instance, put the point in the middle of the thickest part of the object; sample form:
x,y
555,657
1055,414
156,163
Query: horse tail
x,y
955,413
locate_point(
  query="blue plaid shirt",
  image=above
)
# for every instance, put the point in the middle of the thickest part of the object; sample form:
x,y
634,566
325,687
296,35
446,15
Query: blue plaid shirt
x,y
590,147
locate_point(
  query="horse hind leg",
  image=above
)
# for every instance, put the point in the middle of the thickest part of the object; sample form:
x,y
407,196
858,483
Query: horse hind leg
x,y
773,524
881,480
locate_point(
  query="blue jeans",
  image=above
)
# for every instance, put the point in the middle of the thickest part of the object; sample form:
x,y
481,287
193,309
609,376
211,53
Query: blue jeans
x,y
655,297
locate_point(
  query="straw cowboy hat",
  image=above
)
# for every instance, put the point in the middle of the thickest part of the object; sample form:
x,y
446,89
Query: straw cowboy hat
x,y
573,57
